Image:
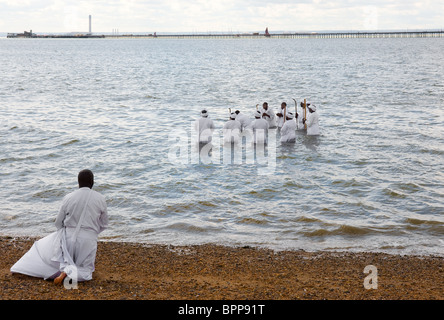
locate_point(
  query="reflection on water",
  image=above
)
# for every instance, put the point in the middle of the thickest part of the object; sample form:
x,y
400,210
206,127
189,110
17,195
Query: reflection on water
x,y
311,142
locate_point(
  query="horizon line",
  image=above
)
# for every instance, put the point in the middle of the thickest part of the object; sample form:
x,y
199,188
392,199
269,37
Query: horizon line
x,y
116,31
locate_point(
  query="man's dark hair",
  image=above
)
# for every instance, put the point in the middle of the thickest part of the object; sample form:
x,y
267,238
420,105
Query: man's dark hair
x,y
86,178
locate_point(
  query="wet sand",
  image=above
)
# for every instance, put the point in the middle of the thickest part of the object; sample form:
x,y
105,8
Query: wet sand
x,y
131,271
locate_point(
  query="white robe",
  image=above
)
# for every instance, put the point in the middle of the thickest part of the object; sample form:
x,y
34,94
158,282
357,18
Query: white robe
x,y
205,127
260,131
281,120
232,131
312,124
70,249
271,119
244,120
288,131
298,120
303,114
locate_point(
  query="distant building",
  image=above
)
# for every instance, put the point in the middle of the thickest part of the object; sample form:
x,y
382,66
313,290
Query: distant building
x,y
25,34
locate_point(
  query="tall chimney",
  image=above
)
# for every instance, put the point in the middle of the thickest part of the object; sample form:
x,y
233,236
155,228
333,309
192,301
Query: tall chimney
x,y
89,23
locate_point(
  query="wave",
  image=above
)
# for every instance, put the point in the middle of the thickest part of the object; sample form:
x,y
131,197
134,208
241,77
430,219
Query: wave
x,y
432,151
307,219
200,206
50,193
252,221
343,230
416,221
150,97
350,183
394,194
14,159
430,226
73,141
409,186
182,226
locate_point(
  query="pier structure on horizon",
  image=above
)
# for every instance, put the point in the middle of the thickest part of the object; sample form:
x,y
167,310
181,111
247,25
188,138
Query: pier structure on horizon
x,y
296,35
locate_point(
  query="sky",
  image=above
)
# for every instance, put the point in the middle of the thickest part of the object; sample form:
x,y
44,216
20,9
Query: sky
x,y
235,16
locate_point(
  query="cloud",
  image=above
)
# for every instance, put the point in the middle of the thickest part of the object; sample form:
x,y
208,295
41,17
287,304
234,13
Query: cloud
x,y
218,15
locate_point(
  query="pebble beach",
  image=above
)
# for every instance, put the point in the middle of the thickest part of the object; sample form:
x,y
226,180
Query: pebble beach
x,y
135,271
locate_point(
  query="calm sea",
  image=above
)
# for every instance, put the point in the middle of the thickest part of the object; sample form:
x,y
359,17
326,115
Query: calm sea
x,y
373,180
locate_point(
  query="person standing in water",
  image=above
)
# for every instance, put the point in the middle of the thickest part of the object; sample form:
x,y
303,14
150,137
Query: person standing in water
x,y
312,121
282,115
204,126
268,115
232,130
260,129
288,130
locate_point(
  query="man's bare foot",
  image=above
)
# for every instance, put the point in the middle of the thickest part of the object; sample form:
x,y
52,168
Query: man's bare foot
x,y
60,278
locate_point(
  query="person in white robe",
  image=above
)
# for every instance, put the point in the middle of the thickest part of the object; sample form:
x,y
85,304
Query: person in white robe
x,y
300,118
298,121
204,126
303,116
288,130
244,120
312,121
281,115
71,250
232,130
260,129
268,115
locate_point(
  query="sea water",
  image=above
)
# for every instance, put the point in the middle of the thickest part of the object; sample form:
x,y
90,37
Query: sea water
x,y
372,181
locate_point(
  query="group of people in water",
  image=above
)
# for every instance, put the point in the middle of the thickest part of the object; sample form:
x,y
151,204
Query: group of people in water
x,y
265,118
69,253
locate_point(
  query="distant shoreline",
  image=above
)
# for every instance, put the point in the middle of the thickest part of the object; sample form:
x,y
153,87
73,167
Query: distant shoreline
x,y
257,35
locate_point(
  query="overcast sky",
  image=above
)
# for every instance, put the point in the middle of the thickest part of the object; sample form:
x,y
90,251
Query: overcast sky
x,y
218,15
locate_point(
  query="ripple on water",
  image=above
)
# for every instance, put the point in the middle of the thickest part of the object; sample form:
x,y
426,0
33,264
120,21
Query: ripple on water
x,y
186,227
430,226
55,194
343,230
253,221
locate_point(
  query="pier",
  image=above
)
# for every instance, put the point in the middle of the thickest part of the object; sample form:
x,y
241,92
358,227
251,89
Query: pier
x,y
296,35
